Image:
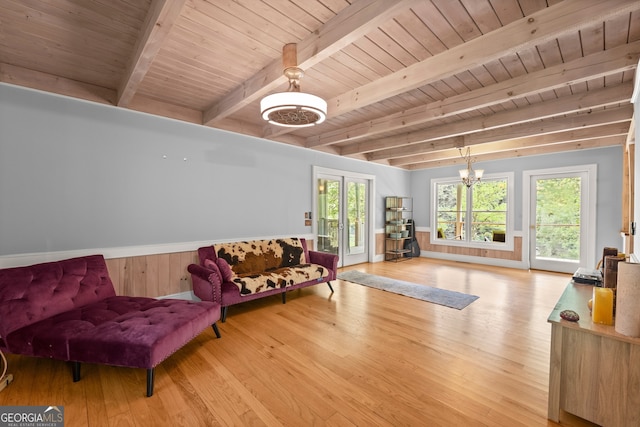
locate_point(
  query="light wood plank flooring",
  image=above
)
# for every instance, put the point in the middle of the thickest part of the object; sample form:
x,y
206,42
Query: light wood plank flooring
x,y
358,357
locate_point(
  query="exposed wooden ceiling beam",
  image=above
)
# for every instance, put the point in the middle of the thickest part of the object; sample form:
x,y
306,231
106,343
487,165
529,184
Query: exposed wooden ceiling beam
x,y
530,151
343,29
160,18
615,60
567,105
613,129
544,127
631,137
522,34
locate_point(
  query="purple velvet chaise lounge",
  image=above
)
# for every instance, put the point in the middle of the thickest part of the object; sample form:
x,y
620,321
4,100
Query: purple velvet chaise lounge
x,y
236,272
68,310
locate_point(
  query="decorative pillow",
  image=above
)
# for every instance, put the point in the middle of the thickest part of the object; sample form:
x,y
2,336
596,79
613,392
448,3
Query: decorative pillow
x,y
292,252
305,258
215,277
226,273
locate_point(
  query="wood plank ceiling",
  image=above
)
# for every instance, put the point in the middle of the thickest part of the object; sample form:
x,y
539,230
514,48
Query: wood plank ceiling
x,y
407,82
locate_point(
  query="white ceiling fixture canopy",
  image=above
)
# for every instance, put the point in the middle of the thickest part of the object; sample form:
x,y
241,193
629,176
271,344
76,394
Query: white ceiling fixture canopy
x,y
293,108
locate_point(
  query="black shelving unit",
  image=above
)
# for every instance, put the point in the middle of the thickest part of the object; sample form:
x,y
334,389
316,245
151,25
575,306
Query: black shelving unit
x,y
398,227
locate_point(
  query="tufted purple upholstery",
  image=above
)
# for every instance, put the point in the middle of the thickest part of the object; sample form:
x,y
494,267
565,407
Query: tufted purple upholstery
x,y
68,310
228,293
146,337
49,337
33,293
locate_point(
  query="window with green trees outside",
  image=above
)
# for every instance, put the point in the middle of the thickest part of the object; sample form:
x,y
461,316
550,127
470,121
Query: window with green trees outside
x,y
472,214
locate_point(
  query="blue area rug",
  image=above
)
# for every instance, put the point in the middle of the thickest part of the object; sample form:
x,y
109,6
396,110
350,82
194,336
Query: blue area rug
x,y
452,299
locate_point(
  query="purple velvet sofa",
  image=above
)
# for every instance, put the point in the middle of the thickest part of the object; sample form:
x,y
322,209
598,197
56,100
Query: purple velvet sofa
x,y
68,310
233,273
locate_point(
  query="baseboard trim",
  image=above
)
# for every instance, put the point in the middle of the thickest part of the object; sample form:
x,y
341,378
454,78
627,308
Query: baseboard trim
x,y
497,262
188,295
468,259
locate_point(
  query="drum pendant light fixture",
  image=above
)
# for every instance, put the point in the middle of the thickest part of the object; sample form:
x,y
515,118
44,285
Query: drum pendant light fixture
x,y
293,108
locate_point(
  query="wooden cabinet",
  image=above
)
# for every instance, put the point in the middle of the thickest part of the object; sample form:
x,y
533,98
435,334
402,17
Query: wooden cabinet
x,y
594,371
398,227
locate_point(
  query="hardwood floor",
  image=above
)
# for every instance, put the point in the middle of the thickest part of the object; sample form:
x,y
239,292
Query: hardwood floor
x,y
358,357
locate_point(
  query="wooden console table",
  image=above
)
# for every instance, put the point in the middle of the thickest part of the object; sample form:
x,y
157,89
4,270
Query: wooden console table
x,y
594,371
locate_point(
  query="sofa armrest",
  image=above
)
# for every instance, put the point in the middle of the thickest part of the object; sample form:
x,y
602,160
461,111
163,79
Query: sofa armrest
x,y
327,260
203,288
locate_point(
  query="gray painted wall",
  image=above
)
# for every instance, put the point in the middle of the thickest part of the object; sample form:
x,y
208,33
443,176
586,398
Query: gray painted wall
x,y
79,175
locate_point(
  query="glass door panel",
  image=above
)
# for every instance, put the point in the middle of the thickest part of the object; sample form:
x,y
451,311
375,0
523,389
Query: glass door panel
x,y
328,206
558,219
357,220
558,230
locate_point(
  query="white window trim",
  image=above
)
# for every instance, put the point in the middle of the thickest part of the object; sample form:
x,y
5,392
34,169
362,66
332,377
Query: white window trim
x,y
508,245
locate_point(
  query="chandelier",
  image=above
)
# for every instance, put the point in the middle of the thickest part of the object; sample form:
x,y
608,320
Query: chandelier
x,y
293,108
468,175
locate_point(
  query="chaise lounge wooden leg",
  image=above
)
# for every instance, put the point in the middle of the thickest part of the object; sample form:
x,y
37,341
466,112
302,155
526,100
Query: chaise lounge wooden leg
x,y
150,375
284,297
75,367
330,287
215,329
223,315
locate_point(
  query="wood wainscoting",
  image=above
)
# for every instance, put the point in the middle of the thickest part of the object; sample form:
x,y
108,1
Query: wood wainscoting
x,y
152,275
515,255
424,238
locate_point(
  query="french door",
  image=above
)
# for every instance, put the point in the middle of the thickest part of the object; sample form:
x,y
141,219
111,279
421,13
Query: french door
x,y
342,212
562,218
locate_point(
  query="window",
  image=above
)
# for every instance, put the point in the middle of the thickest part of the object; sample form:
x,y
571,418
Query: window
x,y
478,216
